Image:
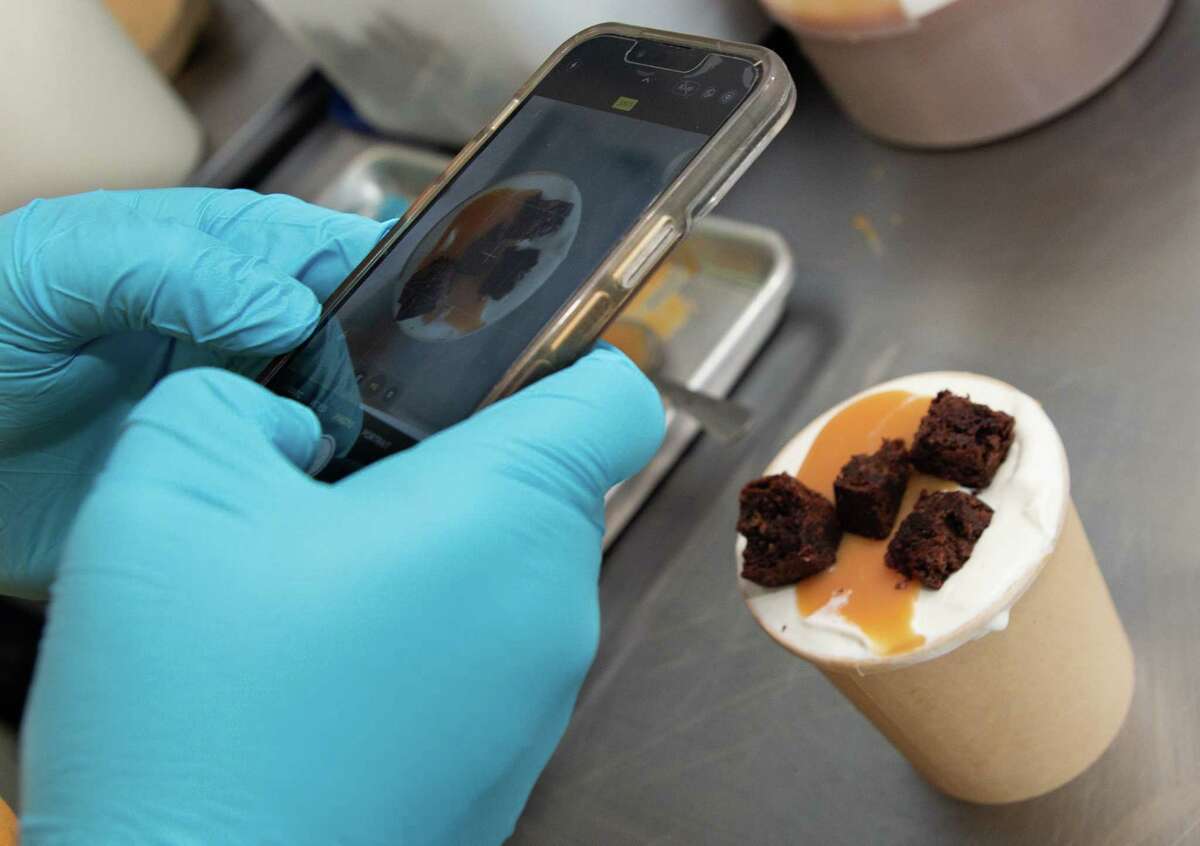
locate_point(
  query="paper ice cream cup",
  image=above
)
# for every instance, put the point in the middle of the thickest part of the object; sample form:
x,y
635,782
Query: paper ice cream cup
x,y
948,73
1025,674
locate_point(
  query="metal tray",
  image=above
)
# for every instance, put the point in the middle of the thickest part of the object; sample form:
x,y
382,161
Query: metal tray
x,y
723,289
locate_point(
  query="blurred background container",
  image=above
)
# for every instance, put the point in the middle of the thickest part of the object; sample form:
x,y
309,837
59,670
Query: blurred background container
x,y
164,30
83,107
948,73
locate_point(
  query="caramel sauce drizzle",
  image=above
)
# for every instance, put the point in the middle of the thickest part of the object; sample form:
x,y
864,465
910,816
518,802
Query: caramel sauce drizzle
x,y
877,599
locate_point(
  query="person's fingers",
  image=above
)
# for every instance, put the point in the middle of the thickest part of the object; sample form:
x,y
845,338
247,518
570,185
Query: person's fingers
x,y
207,429
316,245
87,266
575,433
329,385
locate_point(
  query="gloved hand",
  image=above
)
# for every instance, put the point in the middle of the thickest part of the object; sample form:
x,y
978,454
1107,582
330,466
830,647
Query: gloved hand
x,y
103,294
238,654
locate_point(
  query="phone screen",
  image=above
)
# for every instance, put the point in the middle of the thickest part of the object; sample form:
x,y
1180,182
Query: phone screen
x,y
427,332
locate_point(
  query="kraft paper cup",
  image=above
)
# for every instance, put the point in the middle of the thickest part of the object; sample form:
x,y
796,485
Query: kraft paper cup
x,y
927,73
1016,713
1009,714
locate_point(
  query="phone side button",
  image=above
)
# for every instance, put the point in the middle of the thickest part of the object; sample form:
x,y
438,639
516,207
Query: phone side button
x,y
595,310
652,248
540,368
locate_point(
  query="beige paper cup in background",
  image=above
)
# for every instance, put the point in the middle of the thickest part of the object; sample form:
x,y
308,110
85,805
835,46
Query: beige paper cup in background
x,y
949,73
990,714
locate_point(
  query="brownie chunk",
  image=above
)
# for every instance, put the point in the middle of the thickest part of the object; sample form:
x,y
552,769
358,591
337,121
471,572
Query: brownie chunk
x,y
422,293
962,440
937,538
512,267
479,255
869,489
539,217
791,531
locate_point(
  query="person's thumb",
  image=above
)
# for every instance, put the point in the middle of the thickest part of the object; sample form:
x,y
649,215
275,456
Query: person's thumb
x,y
207,430
574,434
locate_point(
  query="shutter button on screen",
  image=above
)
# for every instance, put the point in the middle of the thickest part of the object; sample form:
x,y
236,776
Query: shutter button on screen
x,y
654,245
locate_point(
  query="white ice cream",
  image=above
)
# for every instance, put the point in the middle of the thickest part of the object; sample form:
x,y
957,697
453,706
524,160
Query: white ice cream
x,y
802,11
1030,496
921,8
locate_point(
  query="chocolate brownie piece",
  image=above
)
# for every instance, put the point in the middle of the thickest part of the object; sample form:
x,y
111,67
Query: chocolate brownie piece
x,y
422,293
961,440
480,254
937,538
869,489
511,268
791,531
539,217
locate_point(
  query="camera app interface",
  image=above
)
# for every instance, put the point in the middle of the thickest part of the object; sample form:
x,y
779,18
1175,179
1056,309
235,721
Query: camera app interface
x,y
441,317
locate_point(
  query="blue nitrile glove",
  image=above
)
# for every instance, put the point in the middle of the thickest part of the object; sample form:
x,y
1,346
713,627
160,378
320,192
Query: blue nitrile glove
x,y
102,294
239,654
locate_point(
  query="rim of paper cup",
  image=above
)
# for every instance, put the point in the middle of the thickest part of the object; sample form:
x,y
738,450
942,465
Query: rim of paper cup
x,y
955,638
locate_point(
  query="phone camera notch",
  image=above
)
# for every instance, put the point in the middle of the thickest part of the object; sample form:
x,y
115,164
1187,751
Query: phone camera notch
x,y
669,57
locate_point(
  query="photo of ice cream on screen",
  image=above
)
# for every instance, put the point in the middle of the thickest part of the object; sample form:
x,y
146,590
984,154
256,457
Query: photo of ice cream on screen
x,y
487,256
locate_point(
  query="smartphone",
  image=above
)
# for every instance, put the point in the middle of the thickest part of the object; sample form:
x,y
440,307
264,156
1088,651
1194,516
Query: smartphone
x,y
514,261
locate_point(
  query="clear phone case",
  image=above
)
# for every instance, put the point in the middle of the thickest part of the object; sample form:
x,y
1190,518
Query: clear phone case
x,y
576,326
701,185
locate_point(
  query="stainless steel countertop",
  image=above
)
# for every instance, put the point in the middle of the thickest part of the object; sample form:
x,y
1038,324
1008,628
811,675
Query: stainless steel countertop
x,y
1065,261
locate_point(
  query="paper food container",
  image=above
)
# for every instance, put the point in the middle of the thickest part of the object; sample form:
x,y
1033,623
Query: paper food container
x,y
1025,693
949,73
